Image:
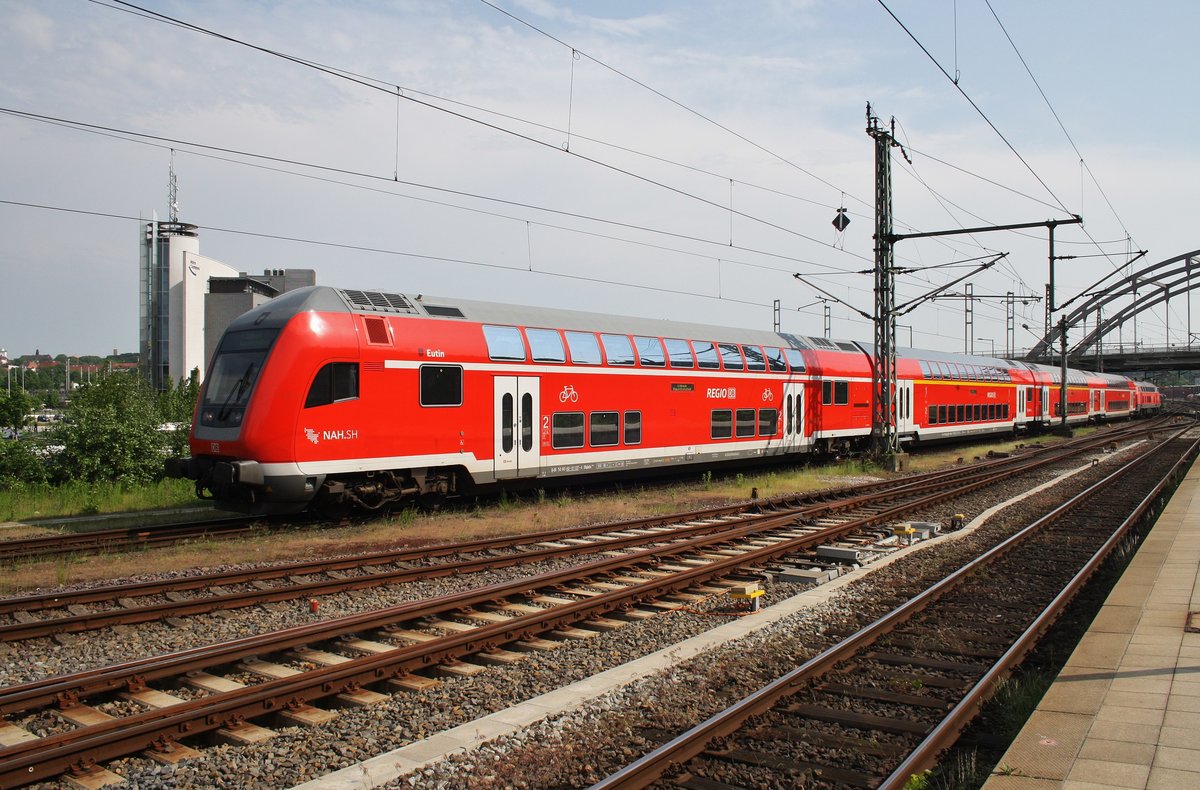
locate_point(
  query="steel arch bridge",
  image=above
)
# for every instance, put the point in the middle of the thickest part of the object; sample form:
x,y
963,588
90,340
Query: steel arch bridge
x,y
1110,308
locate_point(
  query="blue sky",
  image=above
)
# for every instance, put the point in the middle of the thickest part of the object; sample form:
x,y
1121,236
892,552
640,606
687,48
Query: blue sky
x,y
656,240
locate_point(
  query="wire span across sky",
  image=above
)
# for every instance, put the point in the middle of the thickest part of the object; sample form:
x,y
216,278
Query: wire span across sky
x,y
673,159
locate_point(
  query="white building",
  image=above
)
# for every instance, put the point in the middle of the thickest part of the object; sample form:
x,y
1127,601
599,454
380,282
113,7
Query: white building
x,y
187,300
173,284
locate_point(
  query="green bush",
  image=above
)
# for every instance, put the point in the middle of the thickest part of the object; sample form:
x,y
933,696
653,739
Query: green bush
x,y
110,433
19,465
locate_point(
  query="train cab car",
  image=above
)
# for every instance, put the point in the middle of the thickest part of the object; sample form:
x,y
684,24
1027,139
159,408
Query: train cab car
x,y
340,398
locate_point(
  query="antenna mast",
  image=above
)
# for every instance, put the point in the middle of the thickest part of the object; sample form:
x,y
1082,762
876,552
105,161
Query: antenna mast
x,y
172,192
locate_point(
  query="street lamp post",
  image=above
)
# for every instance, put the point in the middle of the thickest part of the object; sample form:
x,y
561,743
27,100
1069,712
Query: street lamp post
x,y
991,341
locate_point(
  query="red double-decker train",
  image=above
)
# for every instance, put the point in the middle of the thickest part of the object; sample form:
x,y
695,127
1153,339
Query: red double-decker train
x,y
336,398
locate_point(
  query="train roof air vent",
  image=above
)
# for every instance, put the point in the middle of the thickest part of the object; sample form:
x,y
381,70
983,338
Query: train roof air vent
x,y
448,312
822,342
848,347
378,301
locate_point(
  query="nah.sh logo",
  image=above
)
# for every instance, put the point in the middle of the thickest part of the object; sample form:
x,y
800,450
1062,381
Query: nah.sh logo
x,y
330,436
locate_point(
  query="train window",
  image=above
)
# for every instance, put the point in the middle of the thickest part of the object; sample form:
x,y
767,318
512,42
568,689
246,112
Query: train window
x,y
706,354
527,422
775,360
826,393
680,353
978,412
755,360
545,345
841,393
584,348
795,359
933,415
731,356
941,414
567,430
745,422
768,422
722,423
633,427
650,351
604,428
506,422
336,381
441,385
504,342
791,416
617,349
925,369
962,413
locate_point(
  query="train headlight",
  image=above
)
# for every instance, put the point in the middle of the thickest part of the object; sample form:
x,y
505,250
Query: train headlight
x,y
208,417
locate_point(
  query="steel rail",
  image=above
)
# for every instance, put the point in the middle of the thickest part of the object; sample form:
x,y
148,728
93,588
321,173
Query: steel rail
x,y
49,756
642,772
225,601
24,549
946,732
137,537
139,731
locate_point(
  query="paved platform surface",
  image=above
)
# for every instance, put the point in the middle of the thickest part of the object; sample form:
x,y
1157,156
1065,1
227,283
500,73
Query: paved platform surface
x,y
1125,710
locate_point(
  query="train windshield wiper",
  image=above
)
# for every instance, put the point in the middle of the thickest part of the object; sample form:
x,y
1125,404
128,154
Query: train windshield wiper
x,y
235,394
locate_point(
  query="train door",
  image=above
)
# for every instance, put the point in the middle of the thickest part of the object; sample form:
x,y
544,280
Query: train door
x,y
793,416
904,406
518,448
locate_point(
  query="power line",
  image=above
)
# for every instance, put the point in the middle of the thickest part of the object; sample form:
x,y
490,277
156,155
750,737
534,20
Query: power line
x,y
400,253
389,89
667,98
547,127
977,108
1053,112
175,144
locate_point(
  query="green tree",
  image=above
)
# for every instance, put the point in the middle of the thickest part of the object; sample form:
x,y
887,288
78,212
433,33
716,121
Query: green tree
x,y
14,408
110,432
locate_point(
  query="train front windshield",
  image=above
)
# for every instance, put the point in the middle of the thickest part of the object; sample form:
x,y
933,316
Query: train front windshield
x,y
235,368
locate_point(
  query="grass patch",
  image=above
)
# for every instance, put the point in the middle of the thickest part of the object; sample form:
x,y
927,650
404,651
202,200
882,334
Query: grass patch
x,y
22,502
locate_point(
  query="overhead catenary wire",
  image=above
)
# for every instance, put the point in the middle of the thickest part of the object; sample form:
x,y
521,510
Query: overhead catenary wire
x,y
670,99
1054,112
976,107
378,85
168,143
398,253
391,89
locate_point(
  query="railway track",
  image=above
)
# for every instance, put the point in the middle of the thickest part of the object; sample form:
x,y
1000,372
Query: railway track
x,y
67,543
881,705
26,617
344,660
